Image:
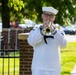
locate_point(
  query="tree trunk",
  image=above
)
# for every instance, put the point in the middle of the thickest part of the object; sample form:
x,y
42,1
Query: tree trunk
x,y
5,14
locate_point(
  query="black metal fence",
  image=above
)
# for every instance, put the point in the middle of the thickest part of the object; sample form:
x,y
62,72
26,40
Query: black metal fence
x,y
9,63
9,51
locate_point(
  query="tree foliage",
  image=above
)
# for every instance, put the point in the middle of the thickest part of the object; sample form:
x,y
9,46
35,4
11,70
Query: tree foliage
x,y
15,9
66,14
16,4
32,9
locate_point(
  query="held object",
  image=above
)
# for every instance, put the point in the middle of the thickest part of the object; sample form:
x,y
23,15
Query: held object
x,y
48,29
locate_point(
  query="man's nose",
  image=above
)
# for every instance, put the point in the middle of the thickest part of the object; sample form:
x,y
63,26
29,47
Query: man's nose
x,y
48,17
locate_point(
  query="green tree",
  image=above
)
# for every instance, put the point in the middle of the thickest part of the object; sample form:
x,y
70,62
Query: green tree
x,y
10,9
15,9
33,9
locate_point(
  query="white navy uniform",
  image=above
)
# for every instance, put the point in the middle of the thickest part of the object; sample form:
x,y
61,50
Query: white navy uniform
x,y
46,57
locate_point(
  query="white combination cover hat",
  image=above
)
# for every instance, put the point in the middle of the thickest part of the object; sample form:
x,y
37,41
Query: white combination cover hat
x,y
50,9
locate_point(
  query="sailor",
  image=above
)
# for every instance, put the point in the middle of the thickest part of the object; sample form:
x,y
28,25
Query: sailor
x,y
46,42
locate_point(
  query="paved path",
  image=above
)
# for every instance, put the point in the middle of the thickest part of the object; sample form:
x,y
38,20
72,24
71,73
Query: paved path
x,y
71,38
73,71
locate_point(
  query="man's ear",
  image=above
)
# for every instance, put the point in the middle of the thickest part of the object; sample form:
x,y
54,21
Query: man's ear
x,y
54,18
42,16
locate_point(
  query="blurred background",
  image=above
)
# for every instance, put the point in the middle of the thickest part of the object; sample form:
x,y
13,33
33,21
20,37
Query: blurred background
x,y
12,11
22,14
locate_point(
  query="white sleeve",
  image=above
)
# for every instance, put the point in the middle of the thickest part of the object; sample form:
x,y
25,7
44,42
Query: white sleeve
x,y
60,38
34,37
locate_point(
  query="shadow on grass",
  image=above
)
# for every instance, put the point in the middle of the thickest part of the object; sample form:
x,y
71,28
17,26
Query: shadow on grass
x,y
65,73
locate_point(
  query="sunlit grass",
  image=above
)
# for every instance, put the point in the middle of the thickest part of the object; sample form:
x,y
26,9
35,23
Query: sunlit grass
x,y
11,66
68,58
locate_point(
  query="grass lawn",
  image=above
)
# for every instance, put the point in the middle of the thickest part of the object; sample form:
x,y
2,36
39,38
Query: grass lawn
x,y
9,66
68,60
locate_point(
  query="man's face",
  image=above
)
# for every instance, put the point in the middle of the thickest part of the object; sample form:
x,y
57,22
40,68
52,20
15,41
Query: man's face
x,y
48,16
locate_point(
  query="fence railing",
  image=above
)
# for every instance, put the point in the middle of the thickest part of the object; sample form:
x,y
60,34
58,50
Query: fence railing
x,y
9,51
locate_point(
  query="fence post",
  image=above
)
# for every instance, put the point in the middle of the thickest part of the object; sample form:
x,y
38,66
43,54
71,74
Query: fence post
x,y
26,53
0,41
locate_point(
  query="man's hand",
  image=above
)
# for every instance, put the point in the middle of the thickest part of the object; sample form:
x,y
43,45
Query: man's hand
x,y
51,28
45,24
